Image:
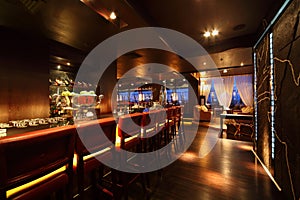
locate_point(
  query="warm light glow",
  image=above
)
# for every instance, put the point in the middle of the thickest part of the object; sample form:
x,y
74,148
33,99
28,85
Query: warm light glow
x,y
189,157
206,34
242,64
34,183
75,158
225,71
202,74
68,63
245,147
58,66
215,32
118,139
112,15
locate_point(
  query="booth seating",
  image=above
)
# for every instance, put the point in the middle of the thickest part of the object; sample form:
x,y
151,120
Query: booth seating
x,y
239,127
37,164
201,113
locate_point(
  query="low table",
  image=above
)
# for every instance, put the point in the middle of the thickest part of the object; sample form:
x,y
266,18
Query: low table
x,y
232,116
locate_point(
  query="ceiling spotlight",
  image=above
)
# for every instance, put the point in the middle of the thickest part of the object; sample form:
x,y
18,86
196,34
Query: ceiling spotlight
x,y
242,64
206,34
215,32
225,71
68,63
112,15
58,66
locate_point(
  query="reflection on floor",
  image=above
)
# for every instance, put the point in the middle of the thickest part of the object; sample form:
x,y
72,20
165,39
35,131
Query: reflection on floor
x,y
228,171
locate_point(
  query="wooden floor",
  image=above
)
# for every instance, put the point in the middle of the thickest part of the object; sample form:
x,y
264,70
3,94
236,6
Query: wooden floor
x,y
229,171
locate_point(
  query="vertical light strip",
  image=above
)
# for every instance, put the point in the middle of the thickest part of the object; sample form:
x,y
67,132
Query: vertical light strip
x,y
272,97
255,96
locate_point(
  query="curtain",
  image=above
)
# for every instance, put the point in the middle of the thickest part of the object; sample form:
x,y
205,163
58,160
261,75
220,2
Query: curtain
x,y
244,85
223,88
205,87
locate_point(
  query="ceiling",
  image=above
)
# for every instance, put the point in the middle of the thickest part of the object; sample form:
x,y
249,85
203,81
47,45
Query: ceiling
x,y
75,27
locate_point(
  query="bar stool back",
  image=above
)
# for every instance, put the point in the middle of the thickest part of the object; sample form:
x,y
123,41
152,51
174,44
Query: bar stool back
x,y
94,142
37,164
129,133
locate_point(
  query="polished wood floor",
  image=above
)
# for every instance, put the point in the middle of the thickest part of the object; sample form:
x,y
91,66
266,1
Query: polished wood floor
x,y
229,171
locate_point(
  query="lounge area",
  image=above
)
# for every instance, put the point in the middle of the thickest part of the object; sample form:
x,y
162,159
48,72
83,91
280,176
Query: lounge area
x,y
131,99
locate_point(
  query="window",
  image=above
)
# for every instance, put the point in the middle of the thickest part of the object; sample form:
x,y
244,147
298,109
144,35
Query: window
x,y
182,93
212,97
236,101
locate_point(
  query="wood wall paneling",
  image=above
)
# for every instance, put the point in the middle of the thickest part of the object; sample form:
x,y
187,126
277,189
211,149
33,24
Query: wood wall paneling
x,y
24,76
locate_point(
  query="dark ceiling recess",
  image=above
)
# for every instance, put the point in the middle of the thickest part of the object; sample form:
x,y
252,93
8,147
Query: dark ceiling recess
x,y
239,27
33,6
74,24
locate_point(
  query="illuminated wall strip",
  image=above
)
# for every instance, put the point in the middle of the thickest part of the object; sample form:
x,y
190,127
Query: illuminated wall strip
x,y
272,98
255,96
267,171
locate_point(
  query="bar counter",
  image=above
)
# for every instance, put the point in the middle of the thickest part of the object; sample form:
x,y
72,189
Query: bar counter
x,y
61,122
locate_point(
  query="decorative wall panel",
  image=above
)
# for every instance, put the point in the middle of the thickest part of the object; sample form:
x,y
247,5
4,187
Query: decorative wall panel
x,y
286,34
278,110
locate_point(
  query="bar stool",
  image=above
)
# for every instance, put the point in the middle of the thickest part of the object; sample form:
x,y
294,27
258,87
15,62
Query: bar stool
x,y
129,133
161,121
37,164
179,124
170,125
92,146
149,136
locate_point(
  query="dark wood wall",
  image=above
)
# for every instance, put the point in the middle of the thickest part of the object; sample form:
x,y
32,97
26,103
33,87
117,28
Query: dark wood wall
x,y
107,84
24,73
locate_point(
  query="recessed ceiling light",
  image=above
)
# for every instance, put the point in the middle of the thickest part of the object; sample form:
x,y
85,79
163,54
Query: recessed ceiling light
x,y
206,34
58,66
68,63
242,64
215,32
204,63
225,71
112,15
202,74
